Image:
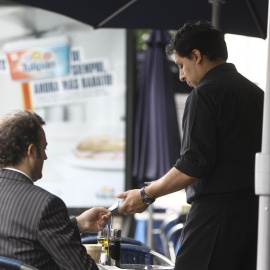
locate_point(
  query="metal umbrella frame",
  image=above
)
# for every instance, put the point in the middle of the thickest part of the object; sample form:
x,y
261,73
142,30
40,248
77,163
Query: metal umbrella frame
x,y
244,17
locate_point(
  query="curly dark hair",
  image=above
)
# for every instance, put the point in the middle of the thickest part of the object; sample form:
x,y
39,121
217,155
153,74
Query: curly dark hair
x,y
17,131
200,35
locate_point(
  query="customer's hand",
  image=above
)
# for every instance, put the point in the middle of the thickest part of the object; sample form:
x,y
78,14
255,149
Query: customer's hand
x,y
94,219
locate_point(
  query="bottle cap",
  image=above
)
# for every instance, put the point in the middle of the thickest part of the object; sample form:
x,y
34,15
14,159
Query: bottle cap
x,y
115,233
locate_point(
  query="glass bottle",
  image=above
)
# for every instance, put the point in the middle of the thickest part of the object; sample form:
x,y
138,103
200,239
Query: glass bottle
x,y
103,238
115,247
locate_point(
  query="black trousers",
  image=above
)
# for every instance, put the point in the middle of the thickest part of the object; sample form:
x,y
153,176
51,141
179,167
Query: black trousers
x,y
220,234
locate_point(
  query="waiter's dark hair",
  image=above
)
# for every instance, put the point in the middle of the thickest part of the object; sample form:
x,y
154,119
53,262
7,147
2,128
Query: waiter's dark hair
x,y
200,35
17,131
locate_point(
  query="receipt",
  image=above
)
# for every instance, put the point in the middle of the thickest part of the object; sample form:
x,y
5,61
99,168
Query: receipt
x,y
115,205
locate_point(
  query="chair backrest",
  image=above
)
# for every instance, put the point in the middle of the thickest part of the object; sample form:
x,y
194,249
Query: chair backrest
x,y
160,234
128,240
164,229
173,240
134,254
89,239
9,263
161,260
13,264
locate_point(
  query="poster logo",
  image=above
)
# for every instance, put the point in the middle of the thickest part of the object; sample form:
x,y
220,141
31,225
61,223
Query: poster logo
x,y
37,59
106,193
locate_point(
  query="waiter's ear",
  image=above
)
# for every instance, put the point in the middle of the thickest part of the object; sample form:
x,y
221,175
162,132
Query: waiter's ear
x,y
196,55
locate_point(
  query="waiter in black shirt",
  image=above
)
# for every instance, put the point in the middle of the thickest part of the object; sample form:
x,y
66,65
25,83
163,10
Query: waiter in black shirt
x,y
222,130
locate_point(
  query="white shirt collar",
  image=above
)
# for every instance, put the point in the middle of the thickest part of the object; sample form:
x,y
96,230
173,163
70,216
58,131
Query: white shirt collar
x,y
12,169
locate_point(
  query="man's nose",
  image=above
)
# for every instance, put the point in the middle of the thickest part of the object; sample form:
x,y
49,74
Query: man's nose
x,y
182,77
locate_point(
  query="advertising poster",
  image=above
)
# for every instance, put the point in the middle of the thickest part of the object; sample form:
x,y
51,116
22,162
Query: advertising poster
x,y
84,110
85,129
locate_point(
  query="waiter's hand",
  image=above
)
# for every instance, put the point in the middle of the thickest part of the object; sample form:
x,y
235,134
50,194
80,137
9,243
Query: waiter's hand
x,y
94,219
133,202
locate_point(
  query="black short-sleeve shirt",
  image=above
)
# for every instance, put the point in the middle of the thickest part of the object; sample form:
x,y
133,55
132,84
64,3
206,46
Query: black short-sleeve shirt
x,y
222,131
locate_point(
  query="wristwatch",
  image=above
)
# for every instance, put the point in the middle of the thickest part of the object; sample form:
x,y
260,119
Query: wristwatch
x,y
146,200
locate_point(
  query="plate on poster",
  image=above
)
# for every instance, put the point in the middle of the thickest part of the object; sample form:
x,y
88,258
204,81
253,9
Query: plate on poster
x,y
98,160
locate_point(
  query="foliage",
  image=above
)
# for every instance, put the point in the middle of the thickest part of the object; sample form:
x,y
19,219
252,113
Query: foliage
x,y
142,36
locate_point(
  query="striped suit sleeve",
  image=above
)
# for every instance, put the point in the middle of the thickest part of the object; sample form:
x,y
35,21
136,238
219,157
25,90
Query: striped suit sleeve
x,y
61,240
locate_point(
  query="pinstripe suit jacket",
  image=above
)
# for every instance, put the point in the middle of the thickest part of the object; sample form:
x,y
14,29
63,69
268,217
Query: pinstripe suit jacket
x,y
35,227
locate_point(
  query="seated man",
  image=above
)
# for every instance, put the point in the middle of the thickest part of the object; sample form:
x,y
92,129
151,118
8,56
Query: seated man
x,y
34,224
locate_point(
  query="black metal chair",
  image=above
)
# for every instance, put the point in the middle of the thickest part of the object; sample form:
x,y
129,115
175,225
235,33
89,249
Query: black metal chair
x,y
163,231
133,254
13,264
173,239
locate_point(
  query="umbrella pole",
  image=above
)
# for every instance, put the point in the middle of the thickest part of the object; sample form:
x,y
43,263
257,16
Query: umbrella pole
x,y
263,258
216,9
262,178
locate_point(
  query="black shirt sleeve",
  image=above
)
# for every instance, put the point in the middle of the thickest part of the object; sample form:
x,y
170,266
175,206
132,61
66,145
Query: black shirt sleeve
x,y
198,151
